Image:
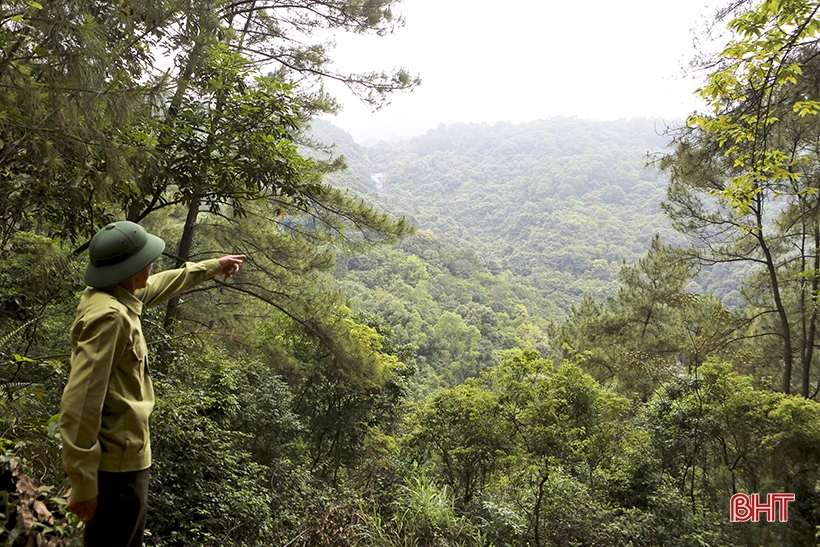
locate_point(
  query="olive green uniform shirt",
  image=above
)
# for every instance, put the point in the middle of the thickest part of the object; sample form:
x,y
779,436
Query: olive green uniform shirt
x,y
109,396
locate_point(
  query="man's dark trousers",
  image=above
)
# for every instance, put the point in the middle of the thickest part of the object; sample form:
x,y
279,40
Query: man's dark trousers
x,y
122,505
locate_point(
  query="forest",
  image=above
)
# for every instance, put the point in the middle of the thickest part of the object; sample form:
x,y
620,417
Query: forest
x,y
566,332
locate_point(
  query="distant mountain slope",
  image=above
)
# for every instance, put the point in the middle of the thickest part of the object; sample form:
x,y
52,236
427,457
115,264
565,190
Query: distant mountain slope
x,y
562,202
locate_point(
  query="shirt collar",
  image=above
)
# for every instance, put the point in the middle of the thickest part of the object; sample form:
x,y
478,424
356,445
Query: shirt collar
x,y
130,301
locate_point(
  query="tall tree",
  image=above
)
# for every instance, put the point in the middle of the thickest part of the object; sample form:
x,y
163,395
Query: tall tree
x,y
652,328
744,173
98,124
75,77
90,100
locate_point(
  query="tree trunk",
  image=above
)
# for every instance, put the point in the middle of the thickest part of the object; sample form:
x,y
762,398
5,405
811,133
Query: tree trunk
x,y
785,330
138,211
810,309
183,254
539,502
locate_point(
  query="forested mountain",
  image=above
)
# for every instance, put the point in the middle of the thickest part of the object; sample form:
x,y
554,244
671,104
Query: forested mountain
x,y
515,224
561,202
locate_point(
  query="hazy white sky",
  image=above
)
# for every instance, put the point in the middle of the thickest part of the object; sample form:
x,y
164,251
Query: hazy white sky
x,y
490,61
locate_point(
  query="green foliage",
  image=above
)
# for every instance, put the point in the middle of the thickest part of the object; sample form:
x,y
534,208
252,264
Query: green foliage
x,y
346,414
462,430
743,175
653,328
211,480
542,454
230,140
764,57
716,435
339,391
458,326
32,496
94,128
85,91
73,86
559,202
458,344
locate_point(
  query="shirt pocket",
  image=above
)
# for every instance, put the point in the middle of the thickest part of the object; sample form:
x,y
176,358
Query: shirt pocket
x,y
130,376
140,351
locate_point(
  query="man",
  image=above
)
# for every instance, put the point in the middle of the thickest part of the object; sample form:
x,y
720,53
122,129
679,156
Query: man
x,y
109,396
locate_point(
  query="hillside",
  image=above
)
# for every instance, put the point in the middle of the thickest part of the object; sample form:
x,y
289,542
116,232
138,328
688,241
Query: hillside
x,y
516,223
560,202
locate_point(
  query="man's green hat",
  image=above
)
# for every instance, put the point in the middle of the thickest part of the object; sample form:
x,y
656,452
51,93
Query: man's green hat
x,y
119,251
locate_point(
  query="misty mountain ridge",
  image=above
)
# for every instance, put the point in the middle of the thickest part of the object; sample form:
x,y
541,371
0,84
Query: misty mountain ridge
x,y
562,202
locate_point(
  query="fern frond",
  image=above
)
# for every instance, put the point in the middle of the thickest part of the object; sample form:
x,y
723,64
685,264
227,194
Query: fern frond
x,y
8,337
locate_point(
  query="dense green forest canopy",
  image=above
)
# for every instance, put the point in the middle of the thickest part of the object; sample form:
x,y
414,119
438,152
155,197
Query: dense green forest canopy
x,y
564,332
561,202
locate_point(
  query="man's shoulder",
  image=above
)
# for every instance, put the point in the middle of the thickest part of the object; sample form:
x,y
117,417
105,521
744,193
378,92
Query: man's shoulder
x,y
98,303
